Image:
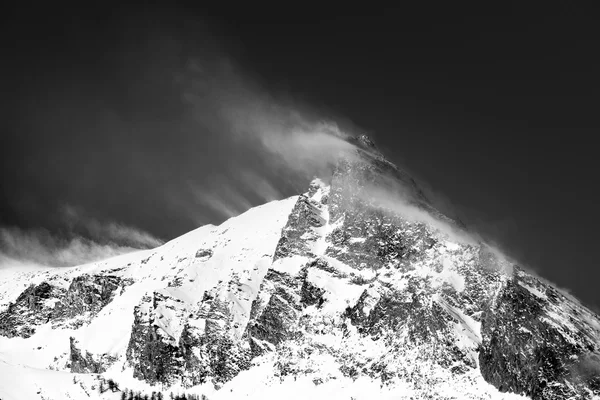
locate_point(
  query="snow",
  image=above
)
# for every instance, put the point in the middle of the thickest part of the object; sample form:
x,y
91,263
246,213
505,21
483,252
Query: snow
x,y
290,265
26,383
242,246
534,291
468,326
356,240
234,260
39,350
451,275
452,246
338,293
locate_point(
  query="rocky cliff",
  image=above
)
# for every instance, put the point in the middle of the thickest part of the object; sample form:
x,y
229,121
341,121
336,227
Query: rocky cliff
x,y
357,287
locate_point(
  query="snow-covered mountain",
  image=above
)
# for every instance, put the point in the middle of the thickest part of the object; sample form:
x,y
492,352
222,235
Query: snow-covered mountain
x,y
344,292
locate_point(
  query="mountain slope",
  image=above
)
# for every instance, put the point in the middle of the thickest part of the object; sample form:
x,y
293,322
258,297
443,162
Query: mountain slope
x,y
356,289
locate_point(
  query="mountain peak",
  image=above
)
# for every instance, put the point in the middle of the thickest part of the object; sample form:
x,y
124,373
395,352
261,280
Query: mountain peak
x,y
344,289
366,141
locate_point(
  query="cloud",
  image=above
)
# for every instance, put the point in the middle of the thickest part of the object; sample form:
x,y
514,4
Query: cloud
x,y
276,139
86,240
108,232
222,198
260,185
39,247
231,196
397,201
7,262
262,146
168,132
289,133
586,368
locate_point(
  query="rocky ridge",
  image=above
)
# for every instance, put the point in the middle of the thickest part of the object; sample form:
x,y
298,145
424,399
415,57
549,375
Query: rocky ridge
x,y
345,286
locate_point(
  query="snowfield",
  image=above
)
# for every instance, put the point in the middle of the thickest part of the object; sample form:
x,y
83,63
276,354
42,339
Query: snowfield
x,y
316,296
241,247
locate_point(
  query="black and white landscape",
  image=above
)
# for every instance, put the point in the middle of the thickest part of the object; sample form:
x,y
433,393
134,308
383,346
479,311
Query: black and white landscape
x,y
176,224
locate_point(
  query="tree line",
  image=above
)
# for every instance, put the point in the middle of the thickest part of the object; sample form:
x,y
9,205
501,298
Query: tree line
x,y
128,394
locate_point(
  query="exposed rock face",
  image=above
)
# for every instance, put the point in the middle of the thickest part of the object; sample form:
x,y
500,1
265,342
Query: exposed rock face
x,y
420,318
204,254
152,345
275,321
34,307
297,233
416,299
46,303
355,283
366,235
87,364
173,343
535,345
86,296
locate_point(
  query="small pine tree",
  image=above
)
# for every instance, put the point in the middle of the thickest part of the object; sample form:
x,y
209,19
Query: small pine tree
x,y
124,395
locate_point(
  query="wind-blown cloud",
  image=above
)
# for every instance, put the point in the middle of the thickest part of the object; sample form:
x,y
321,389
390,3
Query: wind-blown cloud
x,y
87,240
291,142
394,199
289,134
224,199
39,247
261,185
270,146
112,232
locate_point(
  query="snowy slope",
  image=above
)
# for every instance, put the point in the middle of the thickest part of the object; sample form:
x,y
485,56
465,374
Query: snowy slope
x,y
332,294
238,247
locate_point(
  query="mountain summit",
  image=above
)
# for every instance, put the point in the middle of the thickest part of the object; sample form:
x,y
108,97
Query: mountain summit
x,y
356,289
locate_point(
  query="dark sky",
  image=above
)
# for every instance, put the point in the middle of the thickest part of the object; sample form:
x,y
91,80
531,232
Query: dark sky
x,y
494,110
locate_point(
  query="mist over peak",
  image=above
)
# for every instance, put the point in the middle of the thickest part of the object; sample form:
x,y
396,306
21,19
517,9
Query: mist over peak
x,y
163,118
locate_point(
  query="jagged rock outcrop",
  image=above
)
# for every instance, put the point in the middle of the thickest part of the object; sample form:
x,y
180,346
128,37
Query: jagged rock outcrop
x,y
204,254
89,363
367,235
297,233
34,307
359,279
153,346
276,319
47,303
534,345
173,343
86,296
